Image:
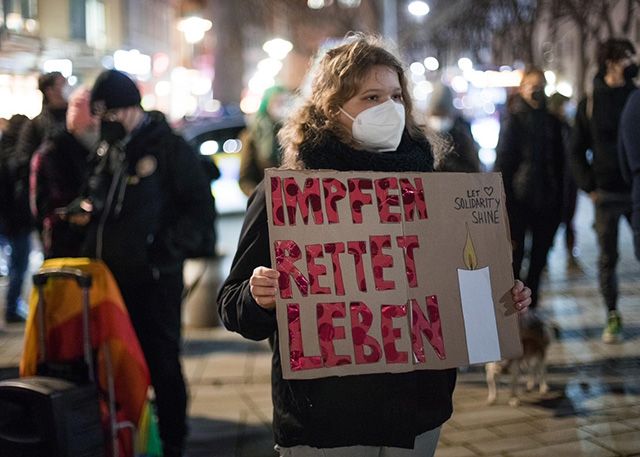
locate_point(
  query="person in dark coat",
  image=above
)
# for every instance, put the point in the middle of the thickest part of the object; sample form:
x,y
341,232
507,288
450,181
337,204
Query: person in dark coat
x,y
58,173
629,149
385,413
596,130
51,119
442,118
260,145
15,218
557,106
32,133
530,155
150,208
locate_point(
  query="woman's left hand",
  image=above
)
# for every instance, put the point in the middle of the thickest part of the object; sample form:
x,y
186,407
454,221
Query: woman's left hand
x,y
521,295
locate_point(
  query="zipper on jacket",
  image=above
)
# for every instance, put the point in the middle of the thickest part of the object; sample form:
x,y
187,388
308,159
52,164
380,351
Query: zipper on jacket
x,y
115,181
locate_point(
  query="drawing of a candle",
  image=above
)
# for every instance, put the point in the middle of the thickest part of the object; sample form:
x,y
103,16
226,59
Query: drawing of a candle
x,y
477,308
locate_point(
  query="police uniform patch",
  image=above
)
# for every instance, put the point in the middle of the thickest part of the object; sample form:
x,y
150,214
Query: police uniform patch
x,y
146,166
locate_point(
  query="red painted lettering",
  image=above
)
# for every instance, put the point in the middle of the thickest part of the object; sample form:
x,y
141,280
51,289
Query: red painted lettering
x,y
335,249
314,270
298,361
408,245
390,333
380,261
309,198
431,329
386,199
334,191
357,249
287,253
361,320
357,198
413,199
328,332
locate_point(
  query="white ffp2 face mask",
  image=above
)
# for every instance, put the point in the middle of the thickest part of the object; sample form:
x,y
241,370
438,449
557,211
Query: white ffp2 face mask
x,y
379,128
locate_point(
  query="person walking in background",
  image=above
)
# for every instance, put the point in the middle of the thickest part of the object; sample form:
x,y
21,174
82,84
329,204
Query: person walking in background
x,y
260,146
51,119
557,106
15,219
31,134
150,207
596,130
530,155
629,149
443,119
58,174
357,118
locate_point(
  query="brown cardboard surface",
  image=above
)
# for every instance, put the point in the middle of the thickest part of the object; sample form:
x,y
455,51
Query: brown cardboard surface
x,y
459,207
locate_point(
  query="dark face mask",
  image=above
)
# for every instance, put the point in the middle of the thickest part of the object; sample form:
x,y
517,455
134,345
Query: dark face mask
x,y
539,97
112,131
630,71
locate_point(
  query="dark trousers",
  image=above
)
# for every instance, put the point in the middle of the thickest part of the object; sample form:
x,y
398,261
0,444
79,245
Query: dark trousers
x,y
569,200
608,214
18,263
542,227
155,310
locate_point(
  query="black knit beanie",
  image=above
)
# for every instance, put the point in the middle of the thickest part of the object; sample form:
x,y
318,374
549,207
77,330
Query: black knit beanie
x,y
113,89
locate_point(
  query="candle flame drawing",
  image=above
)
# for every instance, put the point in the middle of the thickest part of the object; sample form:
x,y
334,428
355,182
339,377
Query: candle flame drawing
x,y
469,253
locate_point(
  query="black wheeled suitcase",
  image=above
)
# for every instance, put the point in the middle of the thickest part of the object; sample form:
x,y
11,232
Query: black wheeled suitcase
x,y
56,414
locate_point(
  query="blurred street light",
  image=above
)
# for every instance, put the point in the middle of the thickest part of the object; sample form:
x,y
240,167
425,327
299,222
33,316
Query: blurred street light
x,y
431,63
270,66
349,3
277,48
315,4
550,76
418,8
132,62
194,28
565,89
64,66
465,64
417,68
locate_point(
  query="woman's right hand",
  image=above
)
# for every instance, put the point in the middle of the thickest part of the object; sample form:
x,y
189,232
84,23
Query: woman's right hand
x,y
264,285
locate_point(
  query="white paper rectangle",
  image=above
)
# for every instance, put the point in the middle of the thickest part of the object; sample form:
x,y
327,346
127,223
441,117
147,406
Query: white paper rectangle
x,y
479,315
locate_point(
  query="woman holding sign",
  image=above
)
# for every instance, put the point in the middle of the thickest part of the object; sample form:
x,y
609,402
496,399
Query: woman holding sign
x,y
356,119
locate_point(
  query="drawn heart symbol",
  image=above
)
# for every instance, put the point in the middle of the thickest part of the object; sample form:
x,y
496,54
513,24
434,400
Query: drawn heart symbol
x,y
488,191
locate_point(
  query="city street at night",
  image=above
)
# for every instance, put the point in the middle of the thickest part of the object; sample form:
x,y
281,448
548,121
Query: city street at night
x,y
592,408
320,228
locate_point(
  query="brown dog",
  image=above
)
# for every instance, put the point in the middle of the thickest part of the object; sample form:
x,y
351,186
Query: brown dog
x,y
535,336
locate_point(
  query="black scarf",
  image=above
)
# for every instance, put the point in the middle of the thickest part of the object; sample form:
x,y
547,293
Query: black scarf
x,y
327,152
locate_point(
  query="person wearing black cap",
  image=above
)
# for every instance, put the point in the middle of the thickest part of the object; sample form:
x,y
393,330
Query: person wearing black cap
x,y
150,207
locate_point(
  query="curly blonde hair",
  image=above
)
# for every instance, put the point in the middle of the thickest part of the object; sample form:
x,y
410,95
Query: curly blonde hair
x,y
338,78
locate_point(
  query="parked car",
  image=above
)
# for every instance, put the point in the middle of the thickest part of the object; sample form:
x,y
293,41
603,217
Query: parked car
x,y
217,136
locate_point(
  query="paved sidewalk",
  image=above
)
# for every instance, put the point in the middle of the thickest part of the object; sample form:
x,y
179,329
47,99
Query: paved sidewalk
x,y
592,409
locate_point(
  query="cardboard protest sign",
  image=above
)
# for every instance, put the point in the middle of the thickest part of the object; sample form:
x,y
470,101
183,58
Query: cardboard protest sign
x,y
390,272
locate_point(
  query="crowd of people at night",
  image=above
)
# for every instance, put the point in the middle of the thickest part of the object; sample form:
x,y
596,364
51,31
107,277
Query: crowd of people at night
x,y
95,175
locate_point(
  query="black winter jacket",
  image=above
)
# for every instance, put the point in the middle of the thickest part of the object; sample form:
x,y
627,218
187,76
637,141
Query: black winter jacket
x,y
58,173
374,410
598,131
530,155
152,204
44,126
15,217
629,149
